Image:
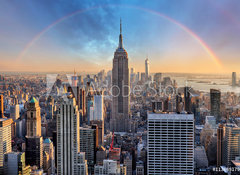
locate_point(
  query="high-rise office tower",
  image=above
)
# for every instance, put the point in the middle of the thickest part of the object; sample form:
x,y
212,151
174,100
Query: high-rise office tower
x,y
33,118
49,149
157,106
68,139
5,139
80,81
146,69
170,143
98,106
231,144
120,89
100,126
215,99
1,107
82,164
138,77
143,77
79,94
157,77
101,154
178,103
81,100
187,99
128,163
74,79
98,116
34,140
89,102
123,169
219,145
139,168
14,164
50,107
34,151
88,144
132,76
234,79
14,112
109,167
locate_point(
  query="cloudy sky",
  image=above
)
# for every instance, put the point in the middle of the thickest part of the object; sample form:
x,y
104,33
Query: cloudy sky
x,y
177,35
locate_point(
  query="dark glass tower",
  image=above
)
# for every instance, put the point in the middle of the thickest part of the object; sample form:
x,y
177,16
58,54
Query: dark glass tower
x,y
215,97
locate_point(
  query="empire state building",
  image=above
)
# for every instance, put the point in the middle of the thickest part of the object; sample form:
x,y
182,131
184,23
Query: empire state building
x,y
120,89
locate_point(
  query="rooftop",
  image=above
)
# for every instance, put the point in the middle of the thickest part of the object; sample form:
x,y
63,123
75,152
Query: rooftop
x,y
33,100
170,116
47,141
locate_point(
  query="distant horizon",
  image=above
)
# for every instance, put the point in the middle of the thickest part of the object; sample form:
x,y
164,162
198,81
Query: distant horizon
x,y
84,72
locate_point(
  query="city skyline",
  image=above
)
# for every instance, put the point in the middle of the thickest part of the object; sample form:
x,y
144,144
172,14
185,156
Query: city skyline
x,y
119,88
77,35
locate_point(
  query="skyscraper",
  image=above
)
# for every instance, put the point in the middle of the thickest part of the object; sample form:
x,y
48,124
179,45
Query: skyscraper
x,y
14,112
234,79
74,79
49,149
88,144
5,139
1,107
82,164
231,144
33,118
170,143
108,167
14,164
215,98
98,116
50,107
158,77
98,106
219,144
34,141
68,139
120,88
146,69
187,99
89,102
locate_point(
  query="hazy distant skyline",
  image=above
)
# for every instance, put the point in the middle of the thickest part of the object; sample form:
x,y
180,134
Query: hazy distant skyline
x,y
178,36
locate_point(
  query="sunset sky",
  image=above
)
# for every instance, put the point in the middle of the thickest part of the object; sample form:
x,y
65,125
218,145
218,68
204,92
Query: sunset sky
x,y
177,35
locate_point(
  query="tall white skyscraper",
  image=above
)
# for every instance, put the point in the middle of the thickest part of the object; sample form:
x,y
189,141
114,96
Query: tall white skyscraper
x,y
98,107
146,69
5,139
170,143
68,139
98,116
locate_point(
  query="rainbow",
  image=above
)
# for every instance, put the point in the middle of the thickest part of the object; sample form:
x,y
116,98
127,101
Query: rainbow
x,y
181,26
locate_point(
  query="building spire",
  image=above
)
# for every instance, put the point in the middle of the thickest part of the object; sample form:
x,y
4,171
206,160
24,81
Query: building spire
x,y
120,26
120,46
